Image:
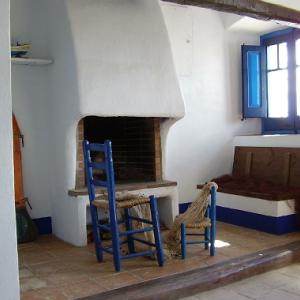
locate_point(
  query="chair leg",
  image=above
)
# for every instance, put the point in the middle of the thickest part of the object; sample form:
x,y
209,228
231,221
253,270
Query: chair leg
x,y
128,223
212,215
115,239
206,236
156,230
206,231
183,241
96,233
212,240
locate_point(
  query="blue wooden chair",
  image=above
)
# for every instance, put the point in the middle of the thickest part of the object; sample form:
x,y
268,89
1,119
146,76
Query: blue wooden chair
x,y
112,204
208,225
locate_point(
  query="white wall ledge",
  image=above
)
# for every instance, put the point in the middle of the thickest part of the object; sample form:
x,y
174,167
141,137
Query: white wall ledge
x,y
288,140
256,205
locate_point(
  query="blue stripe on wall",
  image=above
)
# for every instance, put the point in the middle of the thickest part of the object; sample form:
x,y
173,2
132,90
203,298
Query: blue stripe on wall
x,y
44,225
183,207
275,225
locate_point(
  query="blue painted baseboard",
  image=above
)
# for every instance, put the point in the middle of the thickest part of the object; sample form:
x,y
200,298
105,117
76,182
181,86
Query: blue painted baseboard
x,y
44,225
275,225
183,207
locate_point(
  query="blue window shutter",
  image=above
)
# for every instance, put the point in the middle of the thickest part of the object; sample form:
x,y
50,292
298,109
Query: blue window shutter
x,y
254,81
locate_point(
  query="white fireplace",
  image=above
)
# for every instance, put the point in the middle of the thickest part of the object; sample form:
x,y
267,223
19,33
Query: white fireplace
x,y
138,167
111,59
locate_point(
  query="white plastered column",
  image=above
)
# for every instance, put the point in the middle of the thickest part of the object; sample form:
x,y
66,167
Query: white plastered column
x,y
9,278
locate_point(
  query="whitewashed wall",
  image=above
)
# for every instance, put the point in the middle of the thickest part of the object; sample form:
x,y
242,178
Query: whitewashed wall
x,y
32,101
208,63
9,284
100,49
111,58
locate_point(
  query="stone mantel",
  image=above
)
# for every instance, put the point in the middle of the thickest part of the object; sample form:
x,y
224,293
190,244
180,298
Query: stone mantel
x,y
125,187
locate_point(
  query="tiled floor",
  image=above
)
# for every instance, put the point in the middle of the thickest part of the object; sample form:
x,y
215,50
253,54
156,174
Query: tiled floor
x,y
53,270
275,285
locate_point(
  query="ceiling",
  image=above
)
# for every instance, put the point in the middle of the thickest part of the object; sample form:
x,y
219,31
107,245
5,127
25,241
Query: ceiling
x,y
240,23
295,4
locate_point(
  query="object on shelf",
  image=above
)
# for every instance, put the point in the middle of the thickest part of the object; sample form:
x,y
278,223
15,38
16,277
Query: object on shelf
x,y
20,49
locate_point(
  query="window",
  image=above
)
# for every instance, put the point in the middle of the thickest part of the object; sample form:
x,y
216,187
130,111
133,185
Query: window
x,y
271,82
277,77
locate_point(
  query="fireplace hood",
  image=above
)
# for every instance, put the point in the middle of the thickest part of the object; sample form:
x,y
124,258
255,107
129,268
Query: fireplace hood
x,y
120,59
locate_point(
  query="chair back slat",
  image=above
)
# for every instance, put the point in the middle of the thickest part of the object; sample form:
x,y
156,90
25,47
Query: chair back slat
x,y
98,165
96,147
100,183
106,166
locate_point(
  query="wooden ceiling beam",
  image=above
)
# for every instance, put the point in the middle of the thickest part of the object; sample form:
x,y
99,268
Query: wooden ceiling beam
x,y
251,8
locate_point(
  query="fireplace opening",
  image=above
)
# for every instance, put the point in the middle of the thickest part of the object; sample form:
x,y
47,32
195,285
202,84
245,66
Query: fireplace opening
x,y
136,146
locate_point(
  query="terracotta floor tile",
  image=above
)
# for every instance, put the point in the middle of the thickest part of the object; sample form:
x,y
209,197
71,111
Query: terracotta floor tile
x,y
138,263
32,283
25,246
84,289
188,265
216,259
117,280
24,273
36,257
64,278
170,268
47,268
54,270
235,251
105,268
154,272
45,294
72,254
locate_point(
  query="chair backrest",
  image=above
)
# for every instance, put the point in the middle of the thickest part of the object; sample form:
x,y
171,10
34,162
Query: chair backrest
x,y
106,166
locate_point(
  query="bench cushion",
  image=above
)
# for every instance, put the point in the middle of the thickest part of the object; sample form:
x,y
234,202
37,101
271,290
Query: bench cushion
x,y
255,188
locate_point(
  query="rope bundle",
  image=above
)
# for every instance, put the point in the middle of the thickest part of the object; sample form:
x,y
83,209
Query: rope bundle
x,y
194,214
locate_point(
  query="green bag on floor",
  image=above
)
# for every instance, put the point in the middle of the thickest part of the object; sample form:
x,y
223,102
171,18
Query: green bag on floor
x,y
26,229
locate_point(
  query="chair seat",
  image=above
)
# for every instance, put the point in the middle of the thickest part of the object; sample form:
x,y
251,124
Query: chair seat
x,y
205,223
127,201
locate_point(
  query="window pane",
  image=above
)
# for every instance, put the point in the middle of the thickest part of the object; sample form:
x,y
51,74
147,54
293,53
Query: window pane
x,y
278,94
298,90
272,57
283,56
298,52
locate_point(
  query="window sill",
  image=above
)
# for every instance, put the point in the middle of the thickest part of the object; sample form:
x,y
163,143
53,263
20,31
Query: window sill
x,y
274,140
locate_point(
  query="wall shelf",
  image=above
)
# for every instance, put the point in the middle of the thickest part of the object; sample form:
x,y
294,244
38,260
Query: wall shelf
x,y
30,61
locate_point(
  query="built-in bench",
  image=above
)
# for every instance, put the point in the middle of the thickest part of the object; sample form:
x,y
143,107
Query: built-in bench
x,y
262,190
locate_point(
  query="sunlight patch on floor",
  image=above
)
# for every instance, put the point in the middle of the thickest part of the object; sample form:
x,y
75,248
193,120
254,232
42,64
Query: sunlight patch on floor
x,y
221,244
